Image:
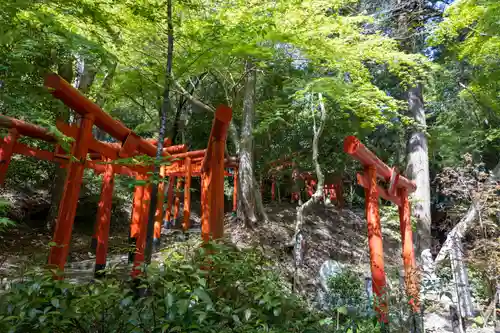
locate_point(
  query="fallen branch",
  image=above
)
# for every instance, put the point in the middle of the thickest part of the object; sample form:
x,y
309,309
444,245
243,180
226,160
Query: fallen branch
x,y
462,227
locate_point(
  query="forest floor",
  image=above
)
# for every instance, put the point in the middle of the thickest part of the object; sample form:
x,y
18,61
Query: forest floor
x,y
331,234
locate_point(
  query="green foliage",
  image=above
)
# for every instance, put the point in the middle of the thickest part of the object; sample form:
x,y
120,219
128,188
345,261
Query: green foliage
x,y
351,310
346,288
468,94
5,222
239,294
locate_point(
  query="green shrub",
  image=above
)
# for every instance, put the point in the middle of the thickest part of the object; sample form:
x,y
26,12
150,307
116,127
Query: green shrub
x,y
240,293
5,222
346,288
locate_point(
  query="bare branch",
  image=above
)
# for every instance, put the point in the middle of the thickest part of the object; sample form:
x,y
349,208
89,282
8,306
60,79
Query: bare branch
x,y
191,98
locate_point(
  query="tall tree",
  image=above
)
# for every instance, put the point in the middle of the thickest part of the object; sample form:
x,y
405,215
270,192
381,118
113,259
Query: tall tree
x,y
165,107
405,21
418,168
246,204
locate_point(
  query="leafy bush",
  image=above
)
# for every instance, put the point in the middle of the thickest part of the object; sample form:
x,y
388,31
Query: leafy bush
x,y
239,293
5,222
346,288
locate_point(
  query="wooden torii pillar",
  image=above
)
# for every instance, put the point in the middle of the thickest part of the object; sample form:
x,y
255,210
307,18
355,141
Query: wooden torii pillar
x,y
212,175
103,219
159,208
186,222
399,188
6,151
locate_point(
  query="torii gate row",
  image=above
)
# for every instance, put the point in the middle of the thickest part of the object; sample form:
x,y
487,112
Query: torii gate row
x,y
397,193
212,166
182,165
98,157
332,190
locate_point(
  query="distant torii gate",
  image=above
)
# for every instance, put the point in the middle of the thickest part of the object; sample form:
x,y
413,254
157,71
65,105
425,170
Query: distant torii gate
x,y
87,152
397,193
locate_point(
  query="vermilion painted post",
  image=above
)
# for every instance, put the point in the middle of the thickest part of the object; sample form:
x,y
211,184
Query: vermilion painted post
x,y
159,208
104,219
187,195
217,190
141,239
69,200
6,151
411,274
235,190
170,198
177,201
135,225
205,207
375,243
213,175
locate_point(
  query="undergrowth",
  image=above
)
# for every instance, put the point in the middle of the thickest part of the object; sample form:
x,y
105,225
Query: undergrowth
x,y
204,290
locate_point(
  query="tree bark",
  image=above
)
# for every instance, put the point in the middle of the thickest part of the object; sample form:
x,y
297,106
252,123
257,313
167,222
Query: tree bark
x,y
165,107
179,119
461,280
65,70
418,169
246,204
298,238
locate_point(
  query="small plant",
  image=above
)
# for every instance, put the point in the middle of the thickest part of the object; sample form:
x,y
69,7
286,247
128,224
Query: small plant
x,y
215,289
346,288
5,222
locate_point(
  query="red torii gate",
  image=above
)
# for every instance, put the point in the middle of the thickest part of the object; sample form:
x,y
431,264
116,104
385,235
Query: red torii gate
x,y
397,193
210,164
332,190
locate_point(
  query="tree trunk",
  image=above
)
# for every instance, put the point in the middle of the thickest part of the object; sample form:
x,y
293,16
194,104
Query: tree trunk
x,y
65,70
246,204
461,280
87,77
237,141
298,238
165,107
180,115
418,169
